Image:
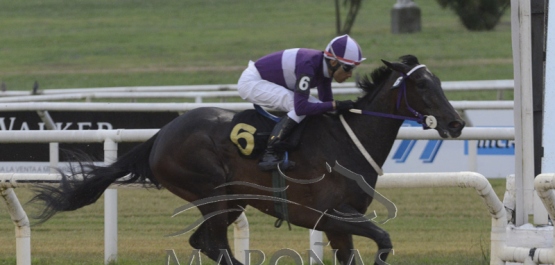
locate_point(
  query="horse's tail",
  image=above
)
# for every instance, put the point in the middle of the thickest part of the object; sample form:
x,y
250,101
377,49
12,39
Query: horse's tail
x,y
75,192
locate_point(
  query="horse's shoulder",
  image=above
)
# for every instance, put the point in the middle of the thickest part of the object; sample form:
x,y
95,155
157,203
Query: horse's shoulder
x,y
326,119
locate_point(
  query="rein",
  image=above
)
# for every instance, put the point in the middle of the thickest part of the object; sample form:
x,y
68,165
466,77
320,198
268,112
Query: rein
x,y
427,121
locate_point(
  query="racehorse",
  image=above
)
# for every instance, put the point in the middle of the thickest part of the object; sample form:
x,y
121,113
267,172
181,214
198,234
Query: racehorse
x,y
193,157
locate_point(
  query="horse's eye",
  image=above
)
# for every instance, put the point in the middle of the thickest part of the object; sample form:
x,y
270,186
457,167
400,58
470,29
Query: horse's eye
x,y
421,84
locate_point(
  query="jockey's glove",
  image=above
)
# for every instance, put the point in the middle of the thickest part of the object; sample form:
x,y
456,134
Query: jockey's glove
x,y
342,105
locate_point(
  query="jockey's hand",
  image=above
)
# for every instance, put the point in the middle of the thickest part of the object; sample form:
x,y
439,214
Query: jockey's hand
x,y
344,105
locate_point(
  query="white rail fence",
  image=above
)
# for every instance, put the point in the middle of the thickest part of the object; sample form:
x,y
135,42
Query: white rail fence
x,y
200,92
110,138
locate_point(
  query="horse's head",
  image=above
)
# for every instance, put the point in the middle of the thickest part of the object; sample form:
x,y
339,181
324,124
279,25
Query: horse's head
x,y
417,94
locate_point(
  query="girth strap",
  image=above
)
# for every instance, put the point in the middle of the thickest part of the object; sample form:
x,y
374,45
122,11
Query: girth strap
x,y
278,182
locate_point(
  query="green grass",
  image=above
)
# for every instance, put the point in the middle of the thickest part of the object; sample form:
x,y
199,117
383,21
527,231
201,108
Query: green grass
x,y
433,226
69,44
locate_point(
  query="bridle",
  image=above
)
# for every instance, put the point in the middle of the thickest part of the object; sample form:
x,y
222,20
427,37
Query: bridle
x,y
427,121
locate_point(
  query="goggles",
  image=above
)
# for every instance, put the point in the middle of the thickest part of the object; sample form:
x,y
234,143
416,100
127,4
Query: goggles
x,y
347,67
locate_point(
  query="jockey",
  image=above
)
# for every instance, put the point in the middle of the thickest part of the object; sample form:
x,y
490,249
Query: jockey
x,y
282,81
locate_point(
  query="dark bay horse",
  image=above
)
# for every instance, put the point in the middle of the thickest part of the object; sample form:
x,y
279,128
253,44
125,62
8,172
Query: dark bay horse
x,y
193,157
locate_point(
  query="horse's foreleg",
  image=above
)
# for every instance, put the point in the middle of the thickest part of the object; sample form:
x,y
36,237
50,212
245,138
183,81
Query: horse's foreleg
x,y
232,216
340,225
342,244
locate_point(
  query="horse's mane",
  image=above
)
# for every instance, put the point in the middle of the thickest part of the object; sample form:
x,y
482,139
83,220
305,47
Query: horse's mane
x,y
370,82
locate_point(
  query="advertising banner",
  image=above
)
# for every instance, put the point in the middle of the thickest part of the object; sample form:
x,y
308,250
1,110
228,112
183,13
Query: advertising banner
x,y
28,157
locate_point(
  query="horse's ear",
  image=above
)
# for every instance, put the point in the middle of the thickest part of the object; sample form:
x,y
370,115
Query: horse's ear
x,y
388,64
398,67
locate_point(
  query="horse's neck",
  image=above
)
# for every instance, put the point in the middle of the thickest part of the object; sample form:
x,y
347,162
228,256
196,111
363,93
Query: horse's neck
x,y
377,134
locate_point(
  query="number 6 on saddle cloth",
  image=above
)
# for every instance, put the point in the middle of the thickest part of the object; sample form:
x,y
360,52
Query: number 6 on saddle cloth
x,y
250,130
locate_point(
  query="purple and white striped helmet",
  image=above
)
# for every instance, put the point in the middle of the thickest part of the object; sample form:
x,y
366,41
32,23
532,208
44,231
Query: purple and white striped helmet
x,y
344,49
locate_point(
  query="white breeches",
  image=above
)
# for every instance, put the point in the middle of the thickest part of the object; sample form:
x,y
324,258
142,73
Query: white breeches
x,y
253,88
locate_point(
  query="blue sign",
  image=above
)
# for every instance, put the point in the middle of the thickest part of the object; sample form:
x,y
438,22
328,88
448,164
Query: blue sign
x,y
484,147
493,147
405,148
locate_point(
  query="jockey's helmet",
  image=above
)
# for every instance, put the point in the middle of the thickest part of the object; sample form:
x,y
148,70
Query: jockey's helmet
x,y
344,49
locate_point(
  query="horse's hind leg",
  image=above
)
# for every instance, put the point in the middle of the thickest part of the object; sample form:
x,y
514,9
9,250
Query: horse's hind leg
x,y
211,236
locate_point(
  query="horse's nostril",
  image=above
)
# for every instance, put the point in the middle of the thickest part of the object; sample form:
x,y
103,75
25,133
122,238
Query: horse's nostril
x,y
456,125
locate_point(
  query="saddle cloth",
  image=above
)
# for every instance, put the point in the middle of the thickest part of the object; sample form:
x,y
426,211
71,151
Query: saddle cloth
x,y
250,131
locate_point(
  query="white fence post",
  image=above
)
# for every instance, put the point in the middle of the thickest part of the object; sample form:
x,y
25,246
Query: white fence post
x,y
523,109
316,246
110,208
241,237
22,227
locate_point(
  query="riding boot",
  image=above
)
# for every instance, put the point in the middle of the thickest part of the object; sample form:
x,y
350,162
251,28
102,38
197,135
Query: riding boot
x,y
282,129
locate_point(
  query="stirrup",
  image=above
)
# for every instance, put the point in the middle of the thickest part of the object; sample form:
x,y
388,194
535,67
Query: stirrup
x,y
273,166
269,165
284,164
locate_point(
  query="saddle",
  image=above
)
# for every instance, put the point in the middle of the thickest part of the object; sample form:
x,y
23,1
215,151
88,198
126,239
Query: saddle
x,y
250,130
